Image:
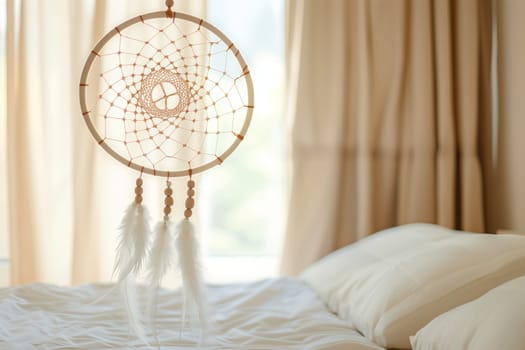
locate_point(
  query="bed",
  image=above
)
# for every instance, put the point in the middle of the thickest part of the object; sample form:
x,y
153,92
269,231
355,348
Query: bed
x,y
282,313
416,286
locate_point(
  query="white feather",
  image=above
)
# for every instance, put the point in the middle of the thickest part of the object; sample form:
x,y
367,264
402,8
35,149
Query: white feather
x,y
135,240
141,237
128,291
192,280
125,242
161,258
131,249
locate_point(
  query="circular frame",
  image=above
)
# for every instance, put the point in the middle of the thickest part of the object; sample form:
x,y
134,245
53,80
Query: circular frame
x,y
144,169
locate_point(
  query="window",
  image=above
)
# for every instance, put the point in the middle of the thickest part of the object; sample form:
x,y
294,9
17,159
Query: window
x,y
242,202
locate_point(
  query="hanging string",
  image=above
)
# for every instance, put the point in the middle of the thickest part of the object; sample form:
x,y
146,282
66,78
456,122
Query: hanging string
x,y
138,190
190,202
168,200
169,5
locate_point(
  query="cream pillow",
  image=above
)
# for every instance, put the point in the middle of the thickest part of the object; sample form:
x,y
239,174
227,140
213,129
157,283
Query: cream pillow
x,y
494,321
391,284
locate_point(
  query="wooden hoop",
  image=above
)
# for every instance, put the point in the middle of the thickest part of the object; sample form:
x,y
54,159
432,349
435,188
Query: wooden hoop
x,y
143,169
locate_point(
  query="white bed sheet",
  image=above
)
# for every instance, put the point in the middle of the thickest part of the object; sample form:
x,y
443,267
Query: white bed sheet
x,y
279,313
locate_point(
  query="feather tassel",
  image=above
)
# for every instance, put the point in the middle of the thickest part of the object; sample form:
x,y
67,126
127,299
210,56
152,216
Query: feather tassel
x,y
192,280
128,290
141,237
125,242
161,258
133,240
131,249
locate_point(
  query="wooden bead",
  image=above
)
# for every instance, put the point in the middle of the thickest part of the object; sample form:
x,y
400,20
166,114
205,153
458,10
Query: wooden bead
x,y
168,191
187,213
139,182
138,199
138,190
190,192
168,201
167,210
191,183
190,203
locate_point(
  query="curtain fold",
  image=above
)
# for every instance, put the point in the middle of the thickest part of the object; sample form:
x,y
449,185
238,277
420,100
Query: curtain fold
x,y
503,157
35,181
385,102
65,196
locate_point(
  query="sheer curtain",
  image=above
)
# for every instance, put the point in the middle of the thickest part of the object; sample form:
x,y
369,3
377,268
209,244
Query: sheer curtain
x,y
386,98
65,196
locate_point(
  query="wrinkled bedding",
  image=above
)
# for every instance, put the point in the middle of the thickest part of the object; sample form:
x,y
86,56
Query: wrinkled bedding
x,y
280,313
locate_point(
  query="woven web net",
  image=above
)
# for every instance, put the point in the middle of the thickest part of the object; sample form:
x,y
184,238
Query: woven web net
x,y
167,95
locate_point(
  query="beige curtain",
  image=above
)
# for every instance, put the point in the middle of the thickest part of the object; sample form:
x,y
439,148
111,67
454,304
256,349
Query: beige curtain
x,y
504,163
385,98
65,196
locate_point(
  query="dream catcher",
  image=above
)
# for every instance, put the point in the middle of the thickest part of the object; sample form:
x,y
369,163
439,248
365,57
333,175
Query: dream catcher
x,y
166,94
